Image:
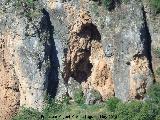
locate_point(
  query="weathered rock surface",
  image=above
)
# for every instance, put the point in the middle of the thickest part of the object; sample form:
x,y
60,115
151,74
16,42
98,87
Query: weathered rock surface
x,y
127,32
26,61
75,43
153,22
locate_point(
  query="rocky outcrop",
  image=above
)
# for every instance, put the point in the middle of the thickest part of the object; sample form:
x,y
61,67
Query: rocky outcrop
x,y
9,83
69,44
28,64
124,39
85,59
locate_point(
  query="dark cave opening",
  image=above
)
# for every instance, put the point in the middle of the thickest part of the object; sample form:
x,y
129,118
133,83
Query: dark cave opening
x,y
50,55
91,31
83,68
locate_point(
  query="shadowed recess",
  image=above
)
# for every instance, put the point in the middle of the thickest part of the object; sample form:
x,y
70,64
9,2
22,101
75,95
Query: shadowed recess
x,y
83,68
50,55
146,40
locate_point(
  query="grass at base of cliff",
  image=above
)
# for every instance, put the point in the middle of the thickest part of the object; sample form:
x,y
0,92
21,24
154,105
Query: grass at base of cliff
x,y
72,111
112,109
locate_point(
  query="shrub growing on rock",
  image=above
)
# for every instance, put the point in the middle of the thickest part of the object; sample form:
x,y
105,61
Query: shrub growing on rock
x,y
79,96
112,103
156,5
107,3
27,113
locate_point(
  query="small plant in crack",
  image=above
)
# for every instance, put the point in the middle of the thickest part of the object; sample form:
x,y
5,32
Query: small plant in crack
x,y
107,3
158,71
155,4
157,52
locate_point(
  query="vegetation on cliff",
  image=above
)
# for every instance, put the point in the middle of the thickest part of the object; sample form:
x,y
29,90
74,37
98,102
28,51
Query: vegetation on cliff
x,y
110,109
156,5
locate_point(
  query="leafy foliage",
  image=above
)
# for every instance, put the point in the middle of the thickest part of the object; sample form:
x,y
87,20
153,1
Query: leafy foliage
x,y
156,5
134,110
154,93
112,103
28,8
157,52
78,96
107,3
112,109
96,94
158,71
27,113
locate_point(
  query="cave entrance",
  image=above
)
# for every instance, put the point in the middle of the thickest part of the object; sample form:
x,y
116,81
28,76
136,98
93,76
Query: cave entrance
x,y
80,65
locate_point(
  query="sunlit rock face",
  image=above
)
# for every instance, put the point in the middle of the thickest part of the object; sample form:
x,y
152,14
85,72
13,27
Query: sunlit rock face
x,y
72,44
27,48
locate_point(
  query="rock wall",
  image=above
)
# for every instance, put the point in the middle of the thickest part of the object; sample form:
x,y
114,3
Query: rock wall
x,y
71,44
28,63
85,59
123,38
126,32
153,23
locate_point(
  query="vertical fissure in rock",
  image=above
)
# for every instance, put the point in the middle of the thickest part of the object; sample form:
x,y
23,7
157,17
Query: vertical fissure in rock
x,y
146,39
50,56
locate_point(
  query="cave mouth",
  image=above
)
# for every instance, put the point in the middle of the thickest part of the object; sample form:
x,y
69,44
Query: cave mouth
x,y
82,69
91,31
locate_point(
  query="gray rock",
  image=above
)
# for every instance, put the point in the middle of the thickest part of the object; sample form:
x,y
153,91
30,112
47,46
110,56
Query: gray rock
x,y
109,50
92,97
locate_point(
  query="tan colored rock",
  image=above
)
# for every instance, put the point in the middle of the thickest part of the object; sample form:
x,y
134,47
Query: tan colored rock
x,y
85,60
138,77
101,76
9,84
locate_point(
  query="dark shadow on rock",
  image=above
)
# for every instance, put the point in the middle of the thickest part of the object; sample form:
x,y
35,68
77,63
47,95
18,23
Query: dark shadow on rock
x,y
90,30
50,55
146,40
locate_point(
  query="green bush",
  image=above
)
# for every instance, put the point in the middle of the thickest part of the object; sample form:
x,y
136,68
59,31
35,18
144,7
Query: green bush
x,y
158,71
154,93
157,52
113,108
156,5
27,114
79,96
28,8
112,103
107,3
134,110
96,94
51,109
65,99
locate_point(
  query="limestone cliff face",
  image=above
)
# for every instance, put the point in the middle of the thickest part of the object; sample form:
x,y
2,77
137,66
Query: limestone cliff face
x,y
123,45
126,32
25,61
75,43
